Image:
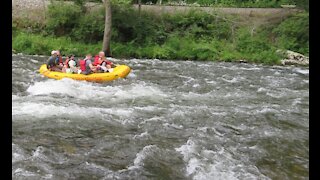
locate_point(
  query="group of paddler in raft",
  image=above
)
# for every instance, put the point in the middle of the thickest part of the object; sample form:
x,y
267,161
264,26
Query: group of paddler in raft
x,y
84,66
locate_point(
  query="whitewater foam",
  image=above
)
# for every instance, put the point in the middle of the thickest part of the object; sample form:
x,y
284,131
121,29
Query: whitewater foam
x,y
42,110
301,71
142,155
203,164
87,90
142,135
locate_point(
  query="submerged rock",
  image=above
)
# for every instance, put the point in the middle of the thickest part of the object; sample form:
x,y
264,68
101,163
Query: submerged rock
x,y
243,61
294,58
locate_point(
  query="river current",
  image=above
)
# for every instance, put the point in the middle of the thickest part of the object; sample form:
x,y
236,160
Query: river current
x,y
166,120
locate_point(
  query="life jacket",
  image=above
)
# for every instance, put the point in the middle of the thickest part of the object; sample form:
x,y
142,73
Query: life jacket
x,y
82,63
96,60
67,62
107,61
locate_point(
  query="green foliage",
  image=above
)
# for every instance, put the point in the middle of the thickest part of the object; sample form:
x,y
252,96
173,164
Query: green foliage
x,y
130,26
233,3
293,33
250,44
121,2
90,27
62,18
199,25
38,44
27,24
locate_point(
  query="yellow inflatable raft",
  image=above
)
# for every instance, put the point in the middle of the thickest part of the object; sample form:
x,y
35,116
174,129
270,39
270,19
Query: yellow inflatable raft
x,y
120,71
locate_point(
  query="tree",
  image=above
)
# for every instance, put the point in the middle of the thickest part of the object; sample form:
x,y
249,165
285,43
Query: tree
x,y
107,28
304,4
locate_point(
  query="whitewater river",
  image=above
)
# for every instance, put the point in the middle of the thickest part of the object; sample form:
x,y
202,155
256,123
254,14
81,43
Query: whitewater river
x,y
166,120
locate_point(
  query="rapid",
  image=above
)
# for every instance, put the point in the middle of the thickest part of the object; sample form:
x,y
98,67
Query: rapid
x,y
165,120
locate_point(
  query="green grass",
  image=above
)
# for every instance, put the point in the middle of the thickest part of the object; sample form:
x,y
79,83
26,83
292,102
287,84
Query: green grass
x,y
175,48
39,44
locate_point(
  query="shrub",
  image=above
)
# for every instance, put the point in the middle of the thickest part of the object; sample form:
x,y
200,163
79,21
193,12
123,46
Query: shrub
x,y
248,43
90,27
293,33
38,44
62,18
199,25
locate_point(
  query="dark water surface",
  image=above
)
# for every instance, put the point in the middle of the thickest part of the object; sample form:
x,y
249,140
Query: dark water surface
x,y
166,120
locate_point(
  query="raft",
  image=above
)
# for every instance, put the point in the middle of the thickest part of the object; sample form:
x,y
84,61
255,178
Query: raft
x,y
120,71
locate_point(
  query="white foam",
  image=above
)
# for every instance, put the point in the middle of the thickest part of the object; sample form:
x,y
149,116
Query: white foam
x,y
140,90
48,176
188,78
219,113
267,110
205,130
301,71
23,172
275,94
153,119
98,167
34,61
17,153
142,135
86,90
17,157
15,97
233,80
211,82
38,151
261,89
203,164
178,112
142,155
42,110
296,101
131,75
173,125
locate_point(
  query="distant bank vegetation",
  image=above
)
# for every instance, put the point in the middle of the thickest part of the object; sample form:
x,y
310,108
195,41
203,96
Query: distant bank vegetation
x,y
194,35
304,4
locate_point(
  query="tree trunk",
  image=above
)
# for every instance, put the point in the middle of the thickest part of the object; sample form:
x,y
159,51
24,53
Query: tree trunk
x,y
107,29
139,1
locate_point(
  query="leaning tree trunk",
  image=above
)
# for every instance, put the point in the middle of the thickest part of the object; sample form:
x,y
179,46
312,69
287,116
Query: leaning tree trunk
x,y
107,29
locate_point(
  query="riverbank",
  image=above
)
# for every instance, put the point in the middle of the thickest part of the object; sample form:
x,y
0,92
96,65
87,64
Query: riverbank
x,y
194,35
174,49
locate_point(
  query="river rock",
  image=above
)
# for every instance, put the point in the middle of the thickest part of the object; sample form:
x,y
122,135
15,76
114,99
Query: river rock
x,y
294,58
242,61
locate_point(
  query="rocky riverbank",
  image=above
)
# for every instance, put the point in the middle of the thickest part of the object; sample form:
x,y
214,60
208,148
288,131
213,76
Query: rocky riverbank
x,y
294,58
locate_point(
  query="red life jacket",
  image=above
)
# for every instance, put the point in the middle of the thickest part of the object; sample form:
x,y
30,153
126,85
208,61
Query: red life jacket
x,y
67,62
108,62
96,60
99,62
82,63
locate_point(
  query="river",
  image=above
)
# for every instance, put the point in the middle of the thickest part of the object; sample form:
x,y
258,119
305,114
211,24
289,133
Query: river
x,y
166,120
